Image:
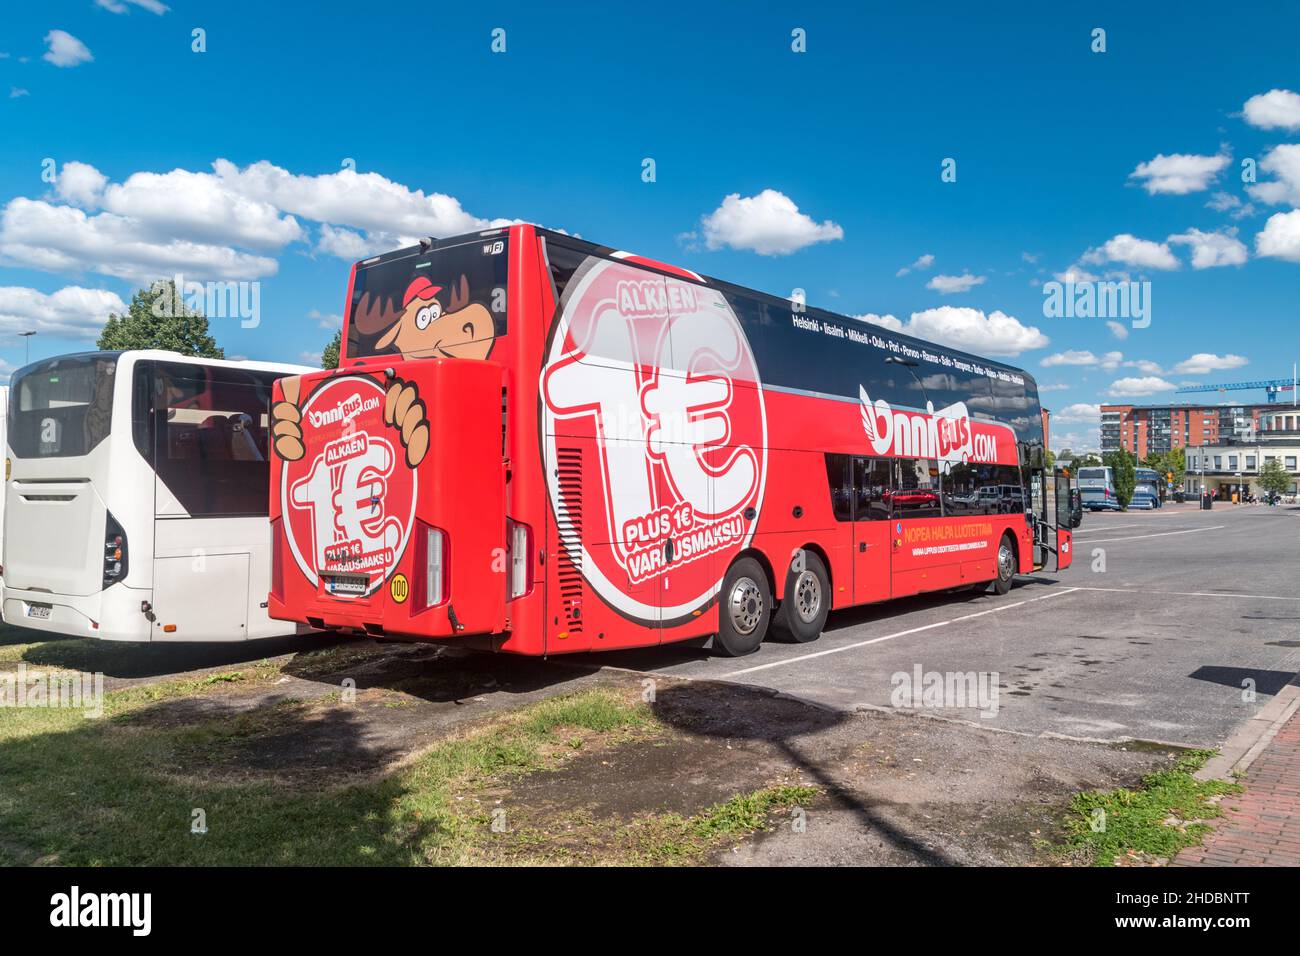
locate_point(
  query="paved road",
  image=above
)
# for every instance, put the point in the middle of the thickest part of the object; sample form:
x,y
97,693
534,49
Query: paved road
x,y
1150,636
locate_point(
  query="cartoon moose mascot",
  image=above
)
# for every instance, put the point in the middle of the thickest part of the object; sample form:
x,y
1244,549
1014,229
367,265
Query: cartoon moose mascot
x,y
422,328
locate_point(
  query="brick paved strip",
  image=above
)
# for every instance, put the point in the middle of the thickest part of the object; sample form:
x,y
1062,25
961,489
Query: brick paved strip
x,y
1260,827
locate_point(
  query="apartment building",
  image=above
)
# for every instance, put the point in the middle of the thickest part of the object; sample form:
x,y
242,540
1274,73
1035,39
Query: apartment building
x,y
1151,429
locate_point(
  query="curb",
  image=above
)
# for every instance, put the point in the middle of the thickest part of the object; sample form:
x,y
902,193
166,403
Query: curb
x,y
1248,741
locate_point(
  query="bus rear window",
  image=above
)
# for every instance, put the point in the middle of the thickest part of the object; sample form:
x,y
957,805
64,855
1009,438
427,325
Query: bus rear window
x,y
62,408
445,302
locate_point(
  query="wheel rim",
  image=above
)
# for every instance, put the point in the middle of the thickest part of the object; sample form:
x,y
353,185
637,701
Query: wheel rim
x,y
745,605
1006,561
807,597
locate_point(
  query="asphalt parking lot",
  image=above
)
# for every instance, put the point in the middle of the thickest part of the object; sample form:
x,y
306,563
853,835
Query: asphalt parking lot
x,y
1155,633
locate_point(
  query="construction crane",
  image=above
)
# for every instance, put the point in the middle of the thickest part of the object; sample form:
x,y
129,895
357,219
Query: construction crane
x,y
1271,387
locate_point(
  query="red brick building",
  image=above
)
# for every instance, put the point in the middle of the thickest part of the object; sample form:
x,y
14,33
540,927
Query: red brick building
x,y
1151,429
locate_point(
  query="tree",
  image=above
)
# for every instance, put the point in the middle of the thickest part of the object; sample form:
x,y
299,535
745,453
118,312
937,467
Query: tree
x,y
1123,469
1050,459
329,356
1087,460
1174,461
1274,478
158,318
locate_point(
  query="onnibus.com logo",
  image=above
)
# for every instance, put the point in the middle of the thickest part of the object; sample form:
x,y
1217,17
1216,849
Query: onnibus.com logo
x,y
77,909
23,688
1099,300
216,300
945,690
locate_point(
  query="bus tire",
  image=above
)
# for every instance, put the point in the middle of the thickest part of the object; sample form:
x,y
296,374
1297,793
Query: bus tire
x,y
1007,564
744,609
802,614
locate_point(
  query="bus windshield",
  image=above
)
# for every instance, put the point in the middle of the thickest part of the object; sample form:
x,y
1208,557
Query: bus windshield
x,y
63,407
448,301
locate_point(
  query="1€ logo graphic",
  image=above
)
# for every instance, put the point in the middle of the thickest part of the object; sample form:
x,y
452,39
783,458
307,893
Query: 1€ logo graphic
x,y
652,379
348,502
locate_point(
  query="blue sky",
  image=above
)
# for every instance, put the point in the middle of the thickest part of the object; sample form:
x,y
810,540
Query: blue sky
x,y
818,170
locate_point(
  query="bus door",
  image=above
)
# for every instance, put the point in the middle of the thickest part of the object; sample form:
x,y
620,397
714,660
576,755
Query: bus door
x,y
1054,519
872,484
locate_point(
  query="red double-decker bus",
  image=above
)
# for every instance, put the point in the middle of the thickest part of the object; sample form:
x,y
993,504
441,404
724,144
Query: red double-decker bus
x,y
541,445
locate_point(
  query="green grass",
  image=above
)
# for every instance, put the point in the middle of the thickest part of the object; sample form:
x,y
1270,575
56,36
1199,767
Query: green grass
x,y
120,791
1135,819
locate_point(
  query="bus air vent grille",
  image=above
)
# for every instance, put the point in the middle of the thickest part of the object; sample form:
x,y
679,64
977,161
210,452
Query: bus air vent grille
x,y
568,522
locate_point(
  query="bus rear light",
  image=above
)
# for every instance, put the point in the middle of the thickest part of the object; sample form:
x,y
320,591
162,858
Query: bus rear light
x,y
520,567
115,551
435,566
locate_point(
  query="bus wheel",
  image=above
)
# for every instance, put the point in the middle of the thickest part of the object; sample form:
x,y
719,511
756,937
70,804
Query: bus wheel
x,y
1006,565
802,614
744,609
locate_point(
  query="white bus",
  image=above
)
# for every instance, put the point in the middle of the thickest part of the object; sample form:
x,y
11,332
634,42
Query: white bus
x,y
136,497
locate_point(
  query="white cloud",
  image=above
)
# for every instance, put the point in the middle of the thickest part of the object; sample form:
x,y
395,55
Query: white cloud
x,y
65,49
972,330
362,200
1075,274
947,285
202,207
1232,205
331,321
1108,361
72,312
1203,362
1080,413
1132,251
1137,387
37,234
1145,366
1276,109
120,6
1280,237
1070,357
17,92
920,265
1055,387
217,224
769,224
81,184
1210,249
1179,173
1118,329
1284,163
884,321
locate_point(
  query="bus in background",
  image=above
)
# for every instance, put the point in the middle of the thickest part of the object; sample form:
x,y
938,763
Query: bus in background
x,y
1146,491
540,445
135,500
1097,488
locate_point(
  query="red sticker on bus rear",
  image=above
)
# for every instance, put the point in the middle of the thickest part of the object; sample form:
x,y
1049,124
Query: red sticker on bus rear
x,y
348,501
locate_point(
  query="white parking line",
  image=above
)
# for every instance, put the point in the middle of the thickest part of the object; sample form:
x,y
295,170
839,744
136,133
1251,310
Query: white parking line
x,y
890,637
1115,527
1213,594
1158,534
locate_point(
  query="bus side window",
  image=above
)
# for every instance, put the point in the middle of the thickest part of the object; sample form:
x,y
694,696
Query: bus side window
x,y
916,493
841,489
872,486
961,491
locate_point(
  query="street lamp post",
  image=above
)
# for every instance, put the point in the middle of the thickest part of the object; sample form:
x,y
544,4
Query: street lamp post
x,y
27,343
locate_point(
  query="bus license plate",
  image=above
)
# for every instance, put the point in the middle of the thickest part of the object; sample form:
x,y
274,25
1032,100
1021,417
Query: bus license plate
x,y
41,611
349,584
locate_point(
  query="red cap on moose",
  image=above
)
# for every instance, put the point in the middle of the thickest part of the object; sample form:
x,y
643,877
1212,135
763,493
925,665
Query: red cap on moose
x,y
420,288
